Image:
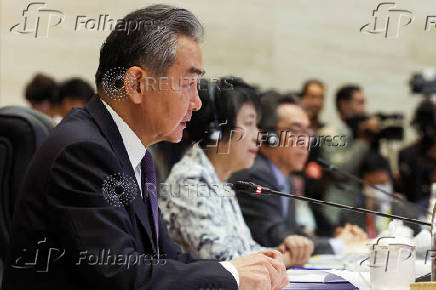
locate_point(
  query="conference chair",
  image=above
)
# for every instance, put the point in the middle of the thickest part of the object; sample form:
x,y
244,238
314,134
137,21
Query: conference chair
x,y
22,131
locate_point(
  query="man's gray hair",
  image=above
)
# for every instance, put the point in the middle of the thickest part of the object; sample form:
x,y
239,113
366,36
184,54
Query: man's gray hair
x,y
152,43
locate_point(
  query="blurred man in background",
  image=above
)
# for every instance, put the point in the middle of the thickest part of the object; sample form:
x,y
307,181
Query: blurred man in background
x,y
312,100
417,162
357,129
74,92
40,93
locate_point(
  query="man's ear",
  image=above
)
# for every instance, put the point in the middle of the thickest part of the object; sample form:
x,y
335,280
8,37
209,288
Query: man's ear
x,y
133,80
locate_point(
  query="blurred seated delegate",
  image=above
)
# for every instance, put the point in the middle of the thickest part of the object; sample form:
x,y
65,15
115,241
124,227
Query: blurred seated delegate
x,y
375,170
200,208
283,153
73,92
40,92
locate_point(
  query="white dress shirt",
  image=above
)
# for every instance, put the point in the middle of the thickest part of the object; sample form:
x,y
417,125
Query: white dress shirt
x,y
136,151
134,147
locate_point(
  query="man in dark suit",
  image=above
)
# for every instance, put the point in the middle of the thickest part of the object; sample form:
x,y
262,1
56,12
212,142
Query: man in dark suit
x,y
284,141
87,217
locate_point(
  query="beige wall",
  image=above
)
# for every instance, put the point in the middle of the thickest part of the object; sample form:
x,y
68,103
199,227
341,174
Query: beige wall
x,y
272,43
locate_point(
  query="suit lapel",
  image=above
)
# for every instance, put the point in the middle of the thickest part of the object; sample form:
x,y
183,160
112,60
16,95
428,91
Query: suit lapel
x,y
264,165
110,131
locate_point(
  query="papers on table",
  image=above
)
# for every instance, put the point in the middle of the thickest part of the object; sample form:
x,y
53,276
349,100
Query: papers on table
x,y
329,269
354,278
317,279
315,276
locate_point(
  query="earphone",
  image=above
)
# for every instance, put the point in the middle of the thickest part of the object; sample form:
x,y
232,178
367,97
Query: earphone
x,y
214,130
272,139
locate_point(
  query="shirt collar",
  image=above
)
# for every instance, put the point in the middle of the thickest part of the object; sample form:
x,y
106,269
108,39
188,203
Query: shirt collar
x,y
343,127
280,177
135,148
197,155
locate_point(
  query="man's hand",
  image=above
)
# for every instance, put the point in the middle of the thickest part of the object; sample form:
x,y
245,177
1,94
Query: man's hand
x,y
264,270
351,235
296,250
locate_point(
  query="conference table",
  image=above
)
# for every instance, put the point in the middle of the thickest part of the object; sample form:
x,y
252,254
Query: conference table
x,y
339,273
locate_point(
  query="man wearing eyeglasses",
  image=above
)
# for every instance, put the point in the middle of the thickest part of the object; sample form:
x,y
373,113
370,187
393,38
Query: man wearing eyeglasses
x,y
284,143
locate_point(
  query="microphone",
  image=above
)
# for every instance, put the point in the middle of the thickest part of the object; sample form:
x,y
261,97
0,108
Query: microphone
x,y
252,188
331,167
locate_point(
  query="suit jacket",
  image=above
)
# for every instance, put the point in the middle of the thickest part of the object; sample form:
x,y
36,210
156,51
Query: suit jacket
x,y
416,168
63,214
263,214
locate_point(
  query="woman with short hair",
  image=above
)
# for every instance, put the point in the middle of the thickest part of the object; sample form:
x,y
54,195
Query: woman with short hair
x,y
200,208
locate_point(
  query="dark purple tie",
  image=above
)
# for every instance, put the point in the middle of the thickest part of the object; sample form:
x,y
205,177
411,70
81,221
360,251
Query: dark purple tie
x,y
148,179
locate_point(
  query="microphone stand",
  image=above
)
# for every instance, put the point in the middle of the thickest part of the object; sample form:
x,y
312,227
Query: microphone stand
x,y
331,167
258,190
